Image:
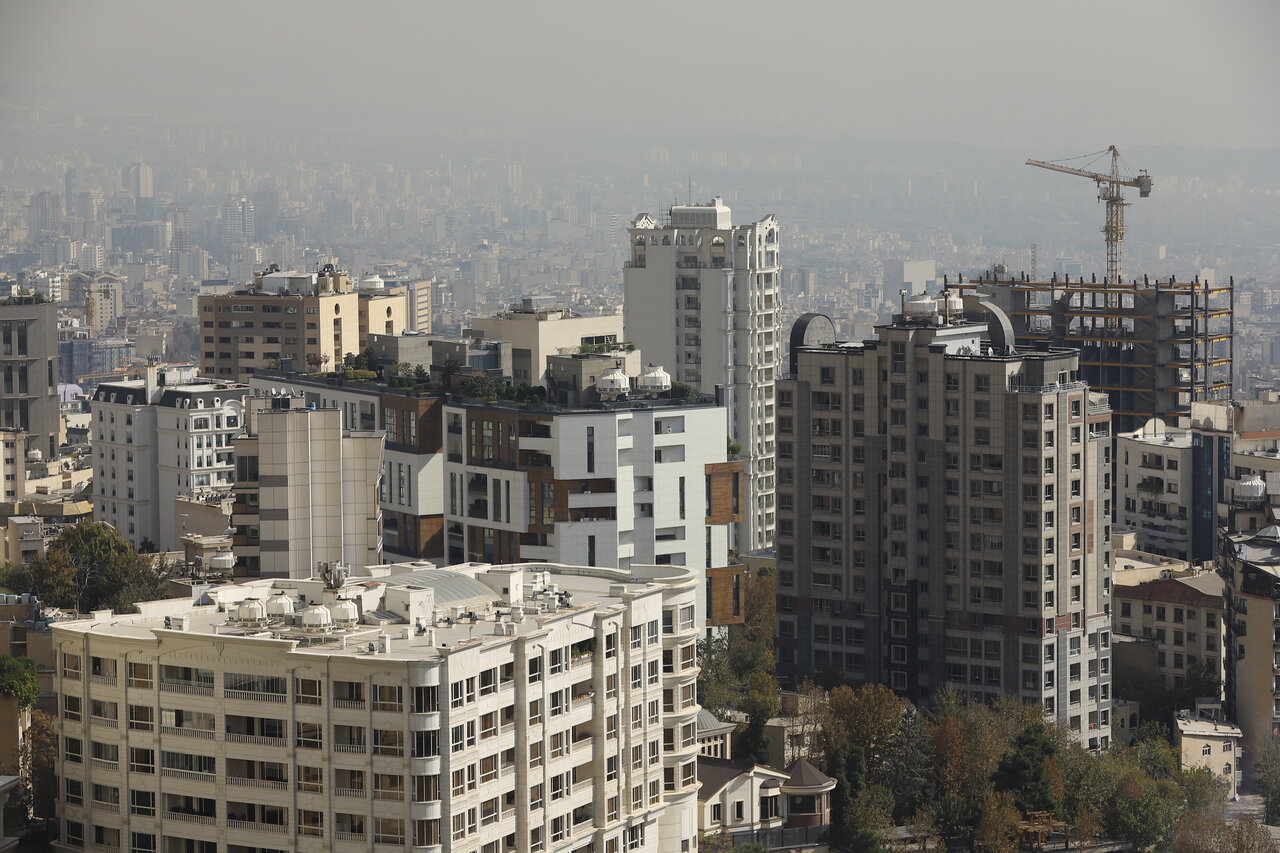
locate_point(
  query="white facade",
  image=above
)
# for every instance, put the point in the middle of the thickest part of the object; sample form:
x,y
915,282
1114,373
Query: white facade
x,y
702,300
636,477
915,277
158,439
1154,488
498,708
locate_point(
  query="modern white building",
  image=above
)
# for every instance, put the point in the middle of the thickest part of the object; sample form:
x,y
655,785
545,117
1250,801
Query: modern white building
x,y
630,482
156,439
488,708
702,299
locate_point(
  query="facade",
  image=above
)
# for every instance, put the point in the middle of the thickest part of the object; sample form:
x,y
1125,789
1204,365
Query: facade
x,y
97,298
29,373
157,439
702,297
1177,625
1250,563
306,491
313,318
13,464
531,707
1212,745
945,514
1154,346
539,327
411,490
628,483
915,277
754,802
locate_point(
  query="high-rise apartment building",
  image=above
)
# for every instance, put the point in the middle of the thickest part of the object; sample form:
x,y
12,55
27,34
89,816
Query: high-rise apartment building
x,y
702,297
475,708
306,491
29,373
237,220
157,439
138,180
313,318
944,514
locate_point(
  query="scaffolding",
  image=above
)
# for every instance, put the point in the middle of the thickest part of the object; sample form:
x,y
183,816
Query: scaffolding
x,y
1154,346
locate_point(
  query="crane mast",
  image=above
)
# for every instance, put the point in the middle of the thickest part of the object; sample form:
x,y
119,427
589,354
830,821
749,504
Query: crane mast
x,y
1109,184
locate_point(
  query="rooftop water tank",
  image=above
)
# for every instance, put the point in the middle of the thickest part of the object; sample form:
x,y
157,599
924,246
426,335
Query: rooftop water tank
x,y
614,382
344,612
223,561
251,611
316,618
1251,488
654,380
372,282
950,303
920,307
279,605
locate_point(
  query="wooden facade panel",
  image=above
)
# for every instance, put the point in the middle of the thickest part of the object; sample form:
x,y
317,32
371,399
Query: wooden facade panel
x,y
726,483
725,590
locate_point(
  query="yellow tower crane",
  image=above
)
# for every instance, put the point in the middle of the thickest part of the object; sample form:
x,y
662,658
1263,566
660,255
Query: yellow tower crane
x,y
1109,185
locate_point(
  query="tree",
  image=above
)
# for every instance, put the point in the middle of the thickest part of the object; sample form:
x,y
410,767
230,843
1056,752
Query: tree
x,y
19,682
868,717
1024,771
89,566
1267,768
1000,826
1144,811
869,819
1203,790
1211,833
908,766
40,757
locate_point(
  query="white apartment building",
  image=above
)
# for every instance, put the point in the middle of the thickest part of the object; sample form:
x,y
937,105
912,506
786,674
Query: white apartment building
x,y
1155,480
534,707
625,483
155,439
702,299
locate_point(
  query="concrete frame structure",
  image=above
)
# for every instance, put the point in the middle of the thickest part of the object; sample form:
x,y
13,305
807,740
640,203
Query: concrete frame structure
x,y
1154,346
702,300
944,514
157,439
529,707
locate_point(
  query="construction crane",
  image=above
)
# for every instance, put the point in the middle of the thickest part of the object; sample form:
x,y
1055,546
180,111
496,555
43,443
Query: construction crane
x,y
1109,191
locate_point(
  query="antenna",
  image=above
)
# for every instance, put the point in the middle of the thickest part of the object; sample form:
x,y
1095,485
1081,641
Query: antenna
x,y
690,186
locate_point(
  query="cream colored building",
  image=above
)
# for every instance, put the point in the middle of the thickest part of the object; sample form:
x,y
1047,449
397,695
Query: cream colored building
x,y
306,491
313,318
538,327
1212,745
528,707
1172,623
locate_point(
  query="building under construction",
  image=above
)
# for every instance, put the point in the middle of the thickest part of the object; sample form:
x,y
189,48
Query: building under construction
x,y
1153,346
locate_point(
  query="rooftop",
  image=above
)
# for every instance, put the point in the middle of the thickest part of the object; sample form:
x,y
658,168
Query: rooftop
x,y
421,610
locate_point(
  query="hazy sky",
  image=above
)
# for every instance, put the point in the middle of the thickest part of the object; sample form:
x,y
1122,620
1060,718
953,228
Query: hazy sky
x,y
1073,75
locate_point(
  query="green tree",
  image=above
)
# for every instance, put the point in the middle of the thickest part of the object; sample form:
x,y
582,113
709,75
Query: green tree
x,y
1144,811
1267,769
18,681
869,819
1024,770
89,566
908,766
1203,790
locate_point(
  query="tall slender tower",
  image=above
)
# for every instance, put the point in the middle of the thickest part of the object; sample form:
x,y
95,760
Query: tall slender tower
x,y
944,513
702,301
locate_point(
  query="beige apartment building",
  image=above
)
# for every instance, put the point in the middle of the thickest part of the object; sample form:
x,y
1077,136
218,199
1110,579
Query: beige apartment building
x,y
306,491
1171,626
528,707
1212,745
313,318
944,513
539,327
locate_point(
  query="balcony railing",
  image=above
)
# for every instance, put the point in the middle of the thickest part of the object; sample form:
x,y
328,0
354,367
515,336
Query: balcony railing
x,y
189,775
349,792
187,687
351,747
184,732
206,820
348,836
268,784
254,695
260,740
256,826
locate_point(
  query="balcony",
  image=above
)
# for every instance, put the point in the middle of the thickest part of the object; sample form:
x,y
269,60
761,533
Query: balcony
x,y
258,740
358,793
189,775
266,784
184,732
358,748
255,826
190,687
254,696
349,704
187,817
